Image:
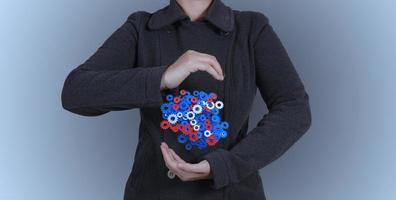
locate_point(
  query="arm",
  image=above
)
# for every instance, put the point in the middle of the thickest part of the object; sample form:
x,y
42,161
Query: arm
x,y
289,115
109,81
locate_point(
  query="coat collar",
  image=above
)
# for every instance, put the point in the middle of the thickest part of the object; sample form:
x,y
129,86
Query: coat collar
x,y
218,14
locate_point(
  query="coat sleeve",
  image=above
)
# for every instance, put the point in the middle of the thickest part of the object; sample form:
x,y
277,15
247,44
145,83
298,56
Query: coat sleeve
x,y
289,115
109,80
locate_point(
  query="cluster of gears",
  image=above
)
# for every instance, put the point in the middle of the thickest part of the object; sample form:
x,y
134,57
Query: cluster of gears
x,y
196,115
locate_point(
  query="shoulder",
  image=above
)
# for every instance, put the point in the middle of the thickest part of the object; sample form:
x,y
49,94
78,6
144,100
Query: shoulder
x,y
251,23
138,17
255,19
133,21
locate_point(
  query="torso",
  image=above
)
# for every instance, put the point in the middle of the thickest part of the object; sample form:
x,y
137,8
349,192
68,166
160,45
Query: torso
x,y
163,47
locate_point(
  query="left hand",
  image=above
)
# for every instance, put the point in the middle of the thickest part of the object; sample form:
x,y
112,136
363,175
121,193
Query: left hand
x,y
184,170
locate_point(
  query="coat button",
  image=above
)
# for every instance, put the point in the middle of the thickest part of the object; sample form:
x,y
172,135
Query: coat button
x,y
171,175
225,33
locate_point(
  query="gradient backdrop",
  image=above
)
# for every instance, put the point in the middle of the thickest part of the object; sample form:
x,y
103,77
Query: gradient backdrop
x,y
343,50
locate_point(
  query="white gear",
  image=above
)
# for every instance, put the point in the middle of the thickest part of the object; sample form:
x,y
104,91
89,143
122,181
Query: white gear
x,y
210,105
172,118
193,122
190,115
196,127
197,109
179,114
207,133
219,104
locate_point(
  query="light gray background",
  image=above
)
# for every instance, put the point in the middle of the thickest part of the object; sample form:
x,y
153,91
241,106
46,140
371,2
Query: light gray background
x,y
343,50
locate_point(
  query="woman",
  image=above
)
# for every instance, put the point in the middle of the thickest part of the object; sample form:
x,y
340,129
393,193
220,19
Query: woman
x,y
195,45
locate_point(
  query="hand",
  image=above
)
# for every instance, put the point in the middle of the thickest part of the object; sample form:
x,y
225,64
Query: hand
x,y
191,61
184,170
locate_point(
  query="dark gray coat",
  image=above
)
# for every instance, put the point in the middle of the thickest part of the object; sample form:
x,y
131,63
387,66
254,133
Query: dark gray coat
x,y
125,73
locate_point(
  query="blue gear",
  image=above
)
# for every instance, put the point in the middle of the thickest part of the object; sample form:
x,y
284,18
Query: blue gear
x,y
225,124
188,146
182,138
169,97
218,126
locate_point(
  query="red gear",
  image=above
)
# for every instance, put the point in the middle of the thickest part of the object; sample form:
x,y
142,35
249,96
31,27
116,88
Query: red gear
x,y
193,100
211,140
164,124
175,106
176,99
175,128
187,129
194,136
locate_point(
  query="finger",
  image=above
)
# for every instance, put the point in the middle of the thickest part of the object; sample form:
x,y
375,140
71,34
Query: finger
x,y
169,152
195,168
212,60
208,68
173,165
163,155
214,64
191,176
170,163
177,157
168,160
172,155
164,144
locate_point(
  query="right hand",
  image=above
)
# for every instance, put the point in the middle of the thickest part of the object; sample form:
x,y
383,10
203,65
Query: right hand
x,y
191,61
